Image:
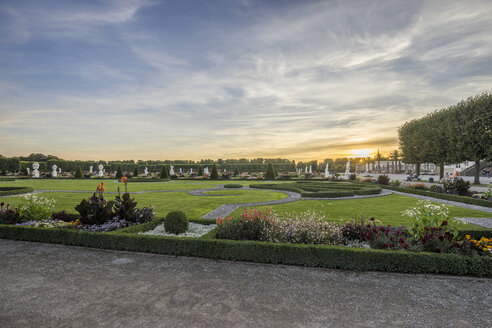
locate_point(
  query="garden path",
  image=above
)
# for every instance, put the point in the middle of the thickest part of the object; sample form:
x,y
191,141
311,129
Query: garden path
x,y
47,285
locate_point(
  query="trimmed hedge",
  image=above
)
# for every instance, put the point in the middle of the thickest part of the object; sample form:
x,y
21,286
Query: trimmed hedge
x,y
5,191
334,257
323,189
147,180
454,198
233,185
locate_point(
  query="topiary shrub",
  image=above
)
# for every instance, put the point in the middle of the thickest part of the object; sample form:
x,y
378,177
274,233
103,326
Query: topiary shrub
x,y
119,172
164,172
200,171
135,172
214,175
176,222
383,180
270,174
78,172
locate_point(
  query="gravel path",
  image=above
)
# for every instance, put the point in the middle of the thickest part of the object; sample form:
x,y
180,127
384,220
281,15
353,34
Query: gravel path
x,y
46,285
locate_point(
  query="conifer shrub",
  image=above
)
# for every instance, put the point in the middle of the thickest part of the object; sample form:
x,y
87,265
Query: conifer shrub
x,y
78,172
214,174
164,172
270,173
119,172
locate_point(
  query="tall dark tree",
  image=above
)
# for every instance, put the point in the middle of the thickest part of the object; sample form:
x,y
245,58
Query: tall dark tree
x,y
410,143
164,172
119,172
78,172
270,174
214,174
135,172
200,171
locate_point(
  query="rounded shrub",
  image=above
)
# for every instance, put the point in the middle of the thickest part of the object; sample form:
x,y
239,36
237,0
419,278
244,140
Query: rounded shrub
x,y
176,222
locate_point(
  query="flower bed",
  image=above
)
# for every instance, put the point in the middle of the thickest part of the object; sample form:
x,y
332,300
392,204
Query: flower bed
x,y
5,191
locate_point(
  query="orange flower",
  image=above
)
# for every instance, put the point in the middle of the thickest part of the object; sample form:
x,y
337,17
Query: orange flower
x,y
124,179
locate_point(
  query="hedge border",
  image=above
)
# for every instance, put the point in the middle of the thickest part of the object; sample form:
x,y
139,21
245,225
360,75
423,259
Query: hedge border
x,y
322,193
333,257
454,198
5,191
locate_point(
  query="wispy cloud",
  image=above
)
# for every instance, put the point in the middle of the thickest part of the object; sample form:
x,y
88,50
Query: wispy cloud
x,y
302,80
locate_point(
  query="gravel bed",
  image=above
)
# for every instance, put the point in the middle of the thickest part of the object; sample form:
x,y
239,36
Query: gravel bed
x,y
195,230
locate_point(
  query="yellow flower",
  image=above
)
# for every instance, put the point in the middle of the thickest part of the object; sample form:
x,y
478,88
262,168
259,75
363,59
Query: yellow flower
x,y
467,236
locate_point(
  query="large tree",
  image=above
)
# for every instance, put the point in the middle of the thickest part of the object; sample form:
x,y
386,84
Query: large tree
x,y
410,141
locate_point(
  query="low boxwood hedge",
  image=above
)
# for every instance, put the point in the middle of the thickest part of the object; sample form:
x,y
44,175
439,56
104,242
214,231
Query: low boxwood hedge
x,y
233,185
454,198
5,191
323,189
334,257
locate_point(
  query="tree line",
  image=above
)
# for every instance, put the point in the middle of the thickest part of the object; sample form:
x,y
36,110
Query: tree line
x,y
458,133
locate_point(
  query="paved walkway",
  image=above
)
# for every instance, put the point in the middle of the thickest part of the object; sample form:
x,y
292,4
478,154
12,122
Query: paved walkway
x,y
46,285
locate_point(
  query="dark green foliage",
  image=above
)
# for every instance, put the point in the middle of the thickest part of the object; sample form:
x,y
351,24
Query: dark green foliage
x,y
64,216
233,185
8,215
436,188
176,222
334,257
145,214
95,210
352,230
4,191
454,198
270,174
164,172
78,173
383,180
352,177
200,171
119,172
3,173
135,172
125,207
214,174
236,172
323,189
461,186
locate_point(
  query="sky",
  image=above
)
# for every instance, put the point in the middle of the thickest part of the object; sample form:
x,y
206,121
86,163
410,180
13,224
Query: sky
x,y
150,79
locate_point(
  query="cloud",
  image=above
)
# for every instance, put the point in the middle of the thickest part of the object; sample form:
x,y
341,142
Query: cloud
x,y
303,80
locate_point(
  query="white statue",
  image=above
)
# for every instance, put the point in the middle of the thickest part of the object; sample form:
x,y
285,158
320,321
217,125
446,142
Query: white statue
x,y
35,172
367,167
115,172
101,170
180,171
225,170
146,171
59,170
191,171
171,170
28,170
347,168
306,171
310,169
54,174
90,170
326,171
205,171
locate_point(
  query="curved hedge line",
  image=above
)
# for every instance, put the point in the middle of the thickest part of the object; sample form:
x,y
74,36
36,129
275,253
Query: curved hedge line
x,y
323,189
5,191
325,256
454,198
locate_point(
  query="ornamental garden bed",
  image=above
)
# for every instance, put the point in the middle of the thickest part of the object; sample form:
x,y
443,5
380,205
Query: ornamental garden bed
x,y
323,189
432,245
4,191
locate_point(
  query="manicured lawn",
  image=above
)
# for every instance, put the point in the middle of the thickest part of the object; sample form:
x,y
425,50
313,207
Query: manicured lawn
x,y
112,185
386,209
193,206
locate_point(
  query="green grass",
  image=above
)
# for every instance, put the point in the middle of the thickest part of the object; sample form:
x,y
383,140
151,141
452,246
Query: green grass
x,y
193,206
112,185
386,209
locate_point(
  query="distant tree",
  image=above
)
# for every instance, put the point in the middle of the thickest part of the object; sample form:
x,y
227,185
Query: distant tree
x,y
135,172
214,175
411,141
379,158
395,156
78,172
119,172
200,171
164,172
236,172
270,174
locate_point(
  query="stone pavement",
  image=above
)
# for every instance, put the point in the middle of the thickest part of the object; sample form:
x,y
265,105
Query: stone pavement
x,y
47,285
